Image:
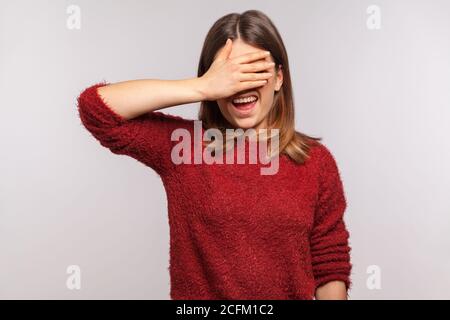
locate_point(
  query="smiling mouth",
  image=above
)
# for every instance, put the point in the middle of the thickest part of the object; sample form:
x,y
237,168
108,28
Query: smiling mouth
x,y
244,108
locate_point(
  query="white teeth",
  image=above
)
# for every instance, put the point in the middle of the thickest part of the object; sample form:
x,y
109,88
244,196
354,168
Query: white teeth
x,y
245,100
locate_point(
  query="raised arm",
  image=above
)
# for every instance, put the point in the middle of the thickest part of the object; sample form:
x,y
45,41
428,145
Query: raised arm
x,y
224,78
130,99
146,137
123,116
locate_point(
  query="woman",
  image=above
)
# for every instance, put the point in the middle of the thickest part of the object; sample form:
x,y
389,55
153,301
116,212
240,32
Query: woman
x,y
234,233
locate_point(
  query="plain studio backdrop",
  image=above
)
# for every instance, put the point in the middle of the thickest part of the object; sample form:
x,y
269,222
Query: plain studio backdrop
x,y
379,97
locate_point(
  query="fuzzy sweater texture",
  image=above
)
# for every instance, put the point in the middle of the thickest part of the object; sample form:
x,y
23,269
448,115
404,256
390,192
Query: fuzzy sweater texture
x,y
234,233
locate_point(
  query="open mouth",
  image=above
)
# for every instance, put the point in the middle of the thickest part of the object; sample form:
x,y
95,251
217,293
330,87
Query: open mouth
x,y
244,105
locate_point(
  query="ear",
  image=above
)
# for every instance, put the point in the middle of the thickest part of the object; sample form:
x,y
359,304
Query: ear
x,y
279,80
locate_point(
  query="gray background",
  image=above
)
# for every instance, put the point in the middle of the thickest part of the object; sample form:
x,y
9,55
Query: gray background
x,y
379,98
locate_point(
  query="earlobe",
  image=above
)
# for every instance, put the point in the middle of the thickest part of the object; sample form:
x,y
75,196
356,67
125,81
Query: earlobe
x,y
280,66
279,87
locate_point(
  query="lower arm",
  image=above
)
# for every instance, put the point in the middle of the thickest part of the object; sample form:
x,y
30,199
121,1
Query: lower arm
x,y
135,97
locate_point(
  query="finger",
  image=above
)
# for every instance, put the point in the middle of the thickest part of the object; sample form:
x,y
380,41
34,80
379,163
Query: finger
x,y
251,84
252,56
255,76
226,50
256,66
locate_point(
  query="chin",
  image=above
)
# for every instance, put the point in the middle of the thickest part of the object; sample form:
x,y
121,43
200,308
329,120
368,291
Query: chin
x,y
244,121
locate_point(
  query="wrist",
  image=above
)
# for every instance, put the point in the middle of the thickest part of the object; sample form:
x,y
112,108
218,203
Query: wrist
x,y
200,88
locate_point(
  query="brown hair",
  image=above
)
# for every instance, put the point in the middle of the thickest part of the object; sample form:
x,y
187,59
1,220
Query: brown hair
x,y
256,29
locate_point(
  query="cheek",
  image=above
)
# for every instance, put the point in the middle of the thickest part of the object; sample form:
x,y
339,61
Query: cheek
x,y
267,97
223,107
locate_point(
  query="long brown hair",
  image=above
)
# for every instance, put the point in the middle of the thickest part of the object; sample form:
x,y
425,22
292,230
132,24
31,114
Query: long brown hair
x,y
256,29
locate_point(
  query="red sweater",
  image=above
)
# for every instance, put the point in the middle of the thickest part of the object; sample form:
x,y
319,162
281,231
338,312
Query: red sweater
x,y
234,233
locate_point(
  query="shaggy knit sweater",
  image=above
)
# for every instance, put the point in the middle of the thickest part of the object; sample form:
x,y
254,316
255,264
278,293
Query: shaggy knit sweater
x,y
234,233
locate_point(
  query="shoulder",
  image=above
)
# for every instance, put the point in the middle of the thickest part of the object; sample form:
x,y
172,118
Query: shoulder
x,y
320,153
322,159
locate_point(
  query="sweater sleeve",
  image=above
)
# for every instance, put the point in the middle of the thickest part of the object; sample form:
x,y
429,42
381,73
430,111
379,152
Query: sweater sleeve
x,y
330,250
146,138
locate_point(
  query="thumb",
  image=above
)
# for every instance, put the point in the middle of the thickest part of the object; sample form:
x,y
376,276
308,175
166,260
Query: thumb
x,y
226,50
